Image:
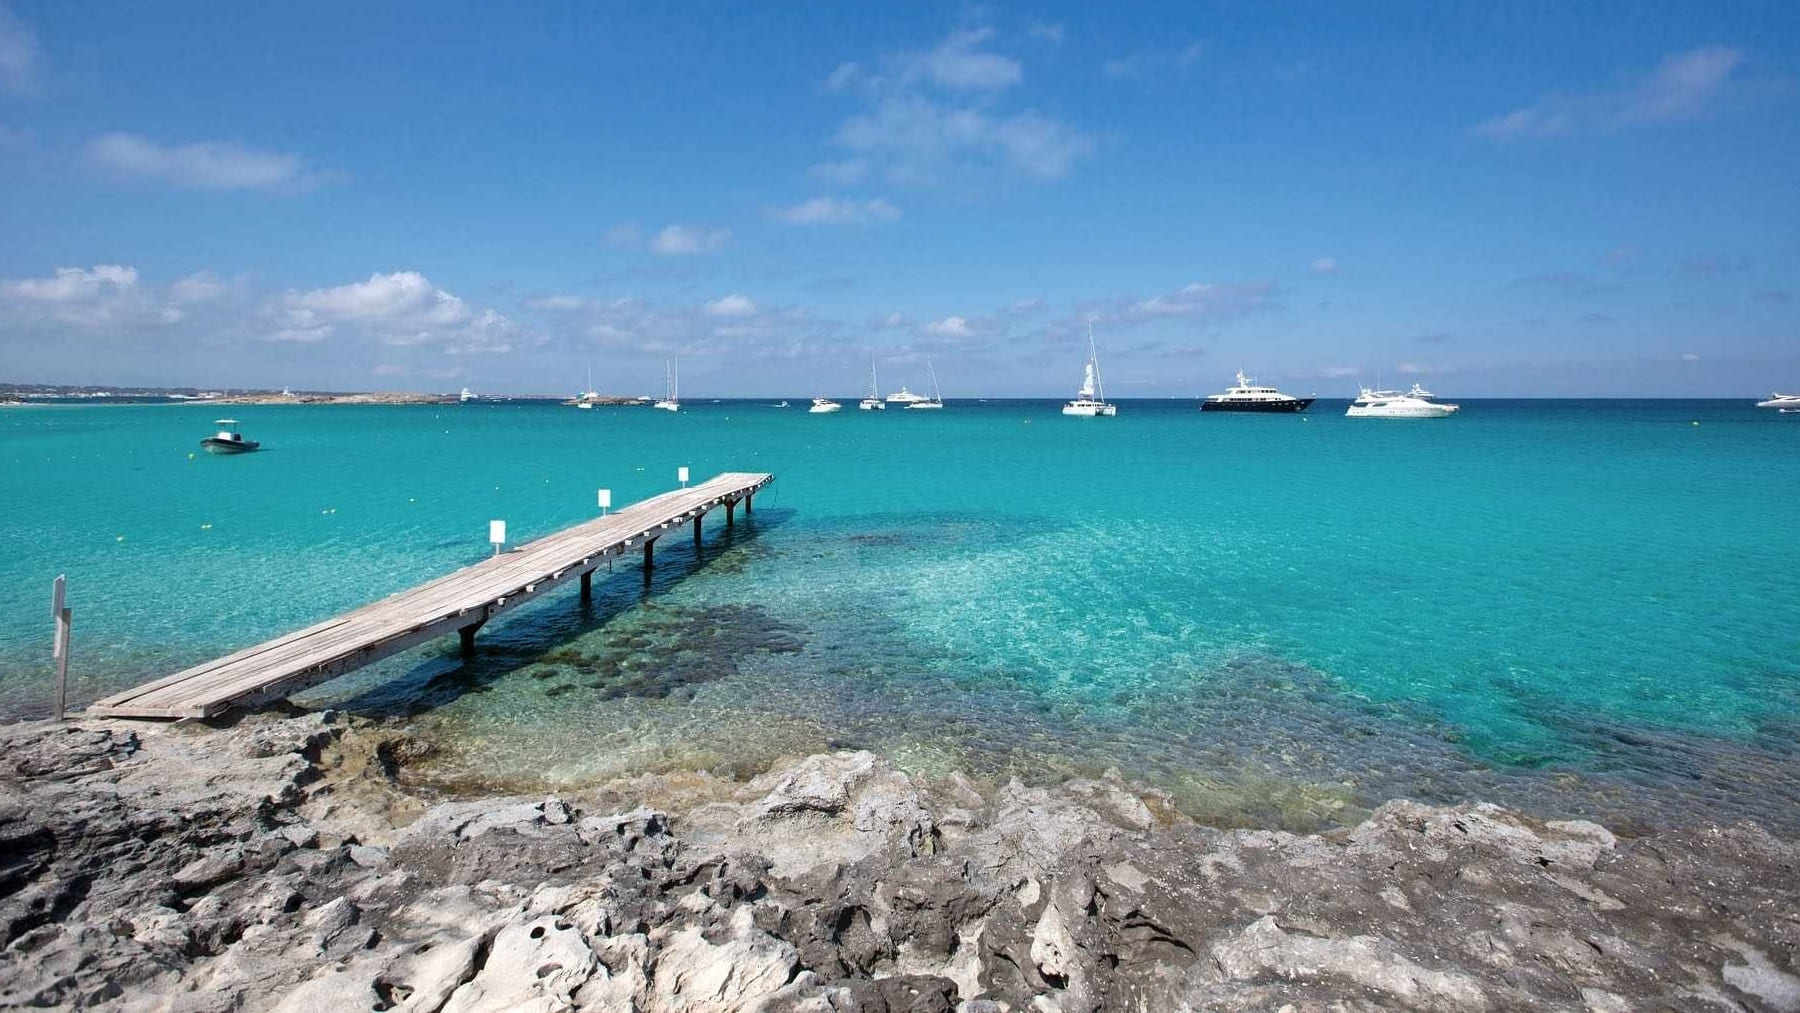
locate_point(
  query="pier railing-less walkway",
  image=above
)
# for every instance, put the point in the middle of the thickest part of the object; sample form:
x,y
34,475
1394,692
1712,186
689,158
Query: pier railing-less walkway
x,y
461,601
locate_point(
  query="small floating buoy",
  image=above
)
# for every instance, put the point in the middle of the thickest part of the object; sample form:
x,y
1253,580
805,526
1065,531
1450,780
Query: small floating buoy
x,y
121,538
190,457
206,527
1694,423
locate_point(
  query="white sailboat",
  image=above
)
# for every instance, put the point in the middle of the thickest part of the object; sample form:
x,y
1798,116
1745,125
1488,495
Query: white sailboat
x,y
1090,401
672,401
872,403
586,398
936,400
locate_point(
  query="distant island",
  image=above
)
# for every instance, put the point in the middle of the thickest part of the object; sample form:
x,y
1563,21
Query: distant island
x,y
29,393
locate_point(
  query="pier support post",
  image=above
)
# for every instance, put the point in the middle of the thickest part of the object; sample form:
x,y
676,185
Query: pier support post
x,y
587,586
749,504
649,559
467,635
731,513
697,534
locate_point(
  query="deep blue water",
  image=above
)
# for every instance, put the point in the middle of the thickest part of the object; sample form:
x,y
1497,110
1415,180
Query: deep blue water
x,y
1581,607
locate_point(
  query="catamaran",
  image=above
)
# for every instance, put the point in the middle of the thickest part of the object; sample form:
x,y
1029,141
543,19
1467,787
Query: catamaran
x,y
1090,401
936,400
672,402
872,403
586,398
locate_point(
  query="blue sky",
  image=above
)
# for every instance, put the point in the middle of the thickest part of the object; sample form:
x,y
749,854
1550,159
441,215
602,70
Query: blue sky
x,y
1504,199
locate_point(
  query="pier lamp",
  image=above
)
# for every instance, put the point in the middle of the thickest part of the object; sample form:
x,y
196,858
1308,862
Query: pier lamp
x,y
497,535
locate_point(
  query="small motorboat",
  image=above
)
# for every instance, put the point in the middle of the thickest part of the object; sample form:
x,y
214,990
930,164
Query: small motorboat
x,y
228,440
824,406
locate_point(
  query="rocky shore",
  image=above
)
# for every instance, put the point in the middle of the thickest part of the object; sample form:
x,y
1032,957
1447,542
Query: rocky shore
x,y
275,864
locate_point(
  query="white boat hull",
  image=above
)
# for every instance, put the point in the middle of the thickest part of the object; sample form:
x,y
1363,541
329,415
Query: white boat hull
x,y
924,406
1423,410
668,406
1090,409
1782,402
824,409
869,404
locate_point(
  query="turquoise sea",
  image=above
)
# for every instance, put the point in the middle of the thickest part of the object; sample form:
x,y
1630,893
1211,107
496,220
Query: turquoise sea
x,y
1576,607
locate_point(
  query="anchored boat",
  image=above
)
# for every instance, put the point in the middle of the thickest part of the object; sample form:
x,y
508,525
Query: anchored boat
x,y
1090,401
228,440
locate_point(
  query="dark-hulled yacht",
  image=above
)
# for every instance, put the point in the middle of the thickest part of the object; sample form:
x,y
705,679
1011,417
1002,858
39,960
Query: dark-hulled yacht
x,y
1247,397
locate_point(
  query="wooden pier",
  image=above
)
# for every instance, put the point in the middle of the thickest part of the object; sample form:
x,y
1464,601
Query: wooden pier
x,y
461,602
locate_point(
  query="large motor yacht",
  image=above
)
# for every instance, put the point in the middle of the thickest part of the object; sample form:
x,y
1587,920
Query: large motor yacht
x,y
1389,404
1784,403
1248,397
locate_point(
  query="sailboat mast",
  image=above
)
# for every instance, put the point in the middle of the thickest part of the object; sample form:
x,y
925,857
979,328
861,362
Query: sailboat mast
x,y
1094,357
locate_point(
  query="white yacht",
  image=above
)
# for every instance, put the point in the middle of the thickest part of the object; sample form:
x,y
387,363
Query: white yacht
x,y
466,396
1248,397
1391,404
1090,401
671,402
905,397
1784,403
824,406
936,400
1420,392
872,403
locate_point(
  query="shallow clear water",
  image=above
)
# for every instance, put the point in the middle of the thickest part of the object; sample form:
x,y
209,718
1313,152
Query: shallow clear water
x,y
1580,607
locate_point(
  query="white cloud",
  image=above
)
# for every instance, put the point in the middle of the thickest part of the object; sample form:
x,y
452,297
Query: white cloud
x,y
731,306
933,117
1684,86
843,76
403,308
18,55
1204,301
1052,33
204,166
1689,357
683,240
950,327
919,140
959,64
74,284
199,287
837,211
1323,265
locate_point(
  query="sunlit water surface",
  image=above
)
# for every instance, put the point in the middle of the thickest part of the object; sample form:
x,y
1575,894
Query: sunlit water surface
x,y
1581,608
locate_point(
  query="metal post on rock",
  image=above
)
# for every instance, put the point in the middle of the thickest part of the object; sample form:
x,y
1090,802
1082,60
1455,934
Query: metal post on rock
x,y
60,652
497,535
682,474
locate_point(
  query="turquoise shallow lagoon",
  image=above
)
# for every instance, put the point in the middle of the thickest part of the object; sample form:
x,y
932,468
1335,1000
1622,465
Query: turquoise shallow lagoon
x,y
1582,608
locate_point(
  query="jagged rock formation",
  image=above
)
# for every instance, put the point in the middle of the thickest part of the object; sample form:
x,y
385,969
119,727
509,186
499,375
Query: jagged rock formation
x,y
273,866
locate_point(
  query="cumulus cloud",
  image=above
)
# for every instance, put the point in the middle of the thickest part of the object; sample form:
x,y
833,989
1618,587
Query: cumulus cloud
x,y
837,211
74,284
731,306
403,308
1684,86
685,240
206,165
934,117
950,327
18,55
